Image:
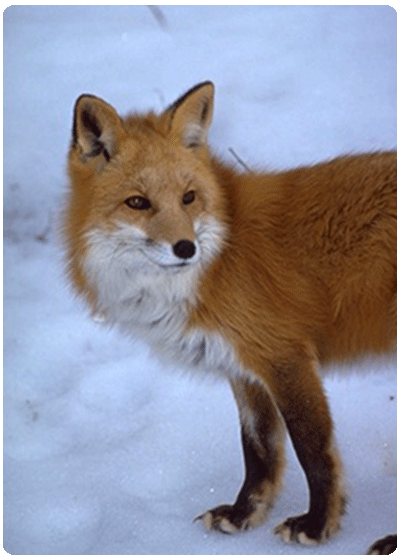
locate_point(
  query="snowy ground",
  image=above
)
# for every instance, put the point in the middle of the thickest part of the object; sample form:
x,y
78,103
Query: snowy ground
x,y
105,452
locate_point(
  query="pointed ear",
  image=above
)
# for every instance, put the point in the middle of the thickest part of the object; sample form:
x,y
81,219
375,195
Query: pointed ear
x,y
191,115
97,128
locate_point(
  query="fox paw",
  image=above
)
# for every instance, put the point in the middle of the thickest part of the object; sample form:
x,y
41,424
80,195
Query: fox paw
x,y
305,529
233,519
225,519
387,545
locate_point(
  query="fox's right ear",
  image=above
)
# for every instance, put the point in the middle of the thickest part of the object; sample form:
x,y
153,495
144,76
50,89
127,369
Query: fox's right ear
x,y
97,128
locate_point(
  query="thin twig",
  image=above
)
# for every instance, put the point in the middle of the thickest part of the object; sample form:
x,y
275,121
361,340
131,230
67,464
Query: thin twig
x,y
239,160
159,16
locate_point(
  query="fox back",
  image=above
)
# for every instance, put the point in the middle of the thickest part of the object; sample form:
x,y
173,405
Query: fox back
x,y
262,277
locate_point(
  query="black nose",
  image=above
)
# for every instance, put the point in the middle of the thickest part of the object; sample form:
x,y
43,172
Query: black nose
x,y
184,249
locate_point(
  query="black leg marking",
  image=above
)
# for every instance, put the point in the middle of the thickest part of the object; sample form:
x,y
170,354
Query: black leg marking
x,y
262,435
306,413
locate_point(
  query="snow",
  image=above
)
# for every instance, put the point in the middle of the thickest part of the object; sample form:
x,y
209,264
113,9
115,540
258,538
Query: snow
x,y
105,451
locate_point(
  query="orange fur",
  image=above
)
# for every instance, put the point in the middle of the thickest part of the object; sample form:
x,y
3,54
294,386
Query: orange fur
x,y
314,254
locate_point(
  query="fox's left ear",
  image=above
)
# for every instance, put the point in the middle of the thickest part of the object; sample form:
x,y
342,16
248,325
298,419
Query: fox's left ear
x,y
191,115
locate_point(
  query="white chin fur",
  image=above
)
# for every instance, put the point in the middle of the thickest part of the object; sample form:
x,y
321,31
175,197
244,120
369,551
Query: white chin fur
x,y
124,268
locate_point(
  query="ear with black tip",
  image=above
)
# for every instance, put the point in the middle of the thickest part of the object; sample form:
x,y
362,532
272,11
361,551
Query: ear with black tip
x,y
191,115
97,128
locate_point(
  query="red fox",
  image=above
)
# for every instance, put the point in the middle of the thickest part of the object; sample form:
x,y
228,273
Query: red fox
x,y
263,278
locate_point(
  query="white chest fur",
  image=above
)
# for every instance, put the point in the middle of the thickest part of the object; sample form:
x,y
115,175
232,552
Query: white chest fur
x,y
154,303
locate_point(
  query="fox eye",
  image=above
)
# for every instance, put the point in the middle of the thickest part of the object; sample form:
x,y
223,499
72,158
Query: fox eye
x,y
138,202
189,197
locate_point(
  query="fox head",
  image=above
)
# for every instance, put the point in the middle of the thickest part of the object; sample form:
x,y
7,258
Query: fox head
x,y
143,198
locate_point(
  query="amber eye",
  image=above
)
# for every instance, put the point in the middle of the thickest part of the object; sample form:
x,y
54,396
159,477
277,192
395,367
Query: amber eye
x,y
138,202
189,197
